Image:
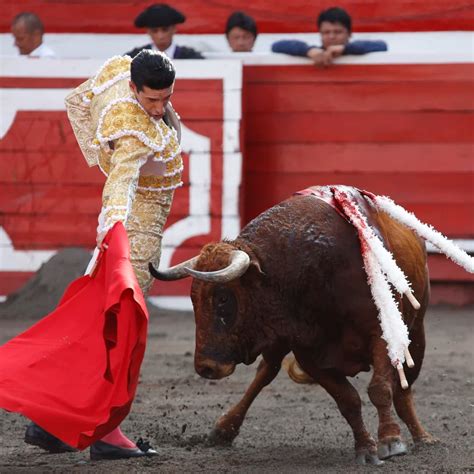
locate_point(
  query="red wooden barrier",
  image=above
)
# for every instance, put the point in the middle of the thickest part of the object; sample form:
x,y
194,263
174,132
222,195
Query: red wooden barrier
x,y
401,130
310,129
405,131
50,198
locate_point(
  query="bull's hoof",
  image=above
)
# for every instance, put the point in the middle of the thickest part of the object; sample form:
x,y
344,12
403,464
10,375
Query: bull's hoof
x,y
426,439
218,437
365,456
388,449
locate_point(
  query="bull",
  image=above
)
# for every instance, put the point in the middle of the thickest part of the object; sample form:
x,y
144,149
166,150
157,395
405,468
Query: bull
x,y
294,281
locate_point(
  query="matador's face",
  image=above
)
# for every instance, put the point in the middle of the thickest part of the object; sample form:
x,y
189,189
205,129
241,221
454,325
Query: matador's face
x,y
154,101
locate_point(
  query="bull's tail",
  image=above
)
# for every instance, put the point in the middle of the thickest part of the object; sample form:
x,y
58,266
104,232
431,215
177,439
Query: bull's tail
x,y
295,372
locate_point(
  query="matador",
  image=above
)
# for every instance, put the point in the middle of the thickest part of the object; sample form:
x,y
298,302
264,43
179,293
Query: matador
x,y
124,124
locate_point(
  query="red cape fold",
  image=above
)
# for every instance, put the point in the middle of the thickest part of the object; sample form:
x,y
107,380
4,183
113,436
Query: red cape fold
x,y
75,372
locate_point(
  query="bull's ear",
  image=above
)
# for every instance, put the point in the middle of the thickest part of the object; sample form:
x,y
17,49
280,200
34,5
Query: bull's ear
x,y
255,266
254,271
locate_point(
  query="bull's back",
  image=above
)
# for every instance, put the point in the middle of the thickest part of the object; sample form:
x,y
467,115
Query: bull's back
x,y
312,255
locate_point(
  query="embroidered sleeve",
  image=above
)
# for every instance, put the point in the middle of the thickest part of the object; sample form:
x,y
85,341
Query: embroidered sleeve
x,y
119,191
78,111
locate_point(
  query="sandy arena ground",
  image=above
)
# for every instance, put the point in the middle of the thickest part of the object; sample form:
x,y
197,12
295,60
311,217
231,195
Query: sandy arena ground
x,y
290,428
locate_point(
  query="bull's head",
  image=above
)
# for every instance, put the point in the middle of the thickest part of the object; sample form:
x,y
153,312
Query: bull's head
x,y
223,338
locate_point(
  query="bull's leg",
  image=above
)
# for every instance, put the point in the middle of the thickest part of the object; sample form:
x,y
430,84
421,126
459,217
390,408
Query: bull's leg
x,y
405,407
349,404
228,425
380,391
403,399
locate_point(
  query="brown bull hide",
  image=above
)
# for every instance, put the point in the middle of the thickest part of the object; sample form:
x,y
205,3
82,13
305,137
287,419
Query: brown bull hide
x,y
306,291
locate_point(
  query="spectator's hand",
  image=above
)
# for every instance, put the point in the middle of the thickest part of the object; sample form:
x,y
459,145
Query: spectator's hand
x,y
320,57
336,50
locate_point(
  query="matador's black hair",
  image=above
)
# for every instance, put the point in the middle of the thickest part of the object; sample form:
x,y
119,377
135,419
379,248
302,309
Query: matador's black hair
x,y
152,69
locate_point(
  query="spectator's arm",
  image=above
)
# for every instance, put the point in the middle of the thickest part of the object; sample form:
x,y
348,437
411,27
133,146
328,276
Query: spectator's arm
x,y
365,46
292,47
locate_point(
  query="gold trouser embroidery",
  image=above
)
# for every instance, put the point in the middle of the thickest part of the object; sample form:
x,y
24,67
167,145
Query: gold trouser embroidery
x,y
144,226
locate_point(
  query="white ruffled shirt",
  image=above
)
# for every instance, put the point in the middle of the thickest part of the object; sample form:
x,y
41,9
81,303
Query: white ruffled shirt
x,y
42,51
168,51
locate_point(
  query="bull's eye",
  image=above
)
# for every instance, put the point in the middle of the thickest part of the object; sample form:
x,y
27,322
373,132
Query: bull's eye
x,y
222,299
224,307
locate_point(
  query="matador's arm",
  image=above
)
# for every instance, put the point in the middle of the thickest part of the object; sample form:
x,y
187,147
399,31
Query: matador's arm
x,y
78,111
119,191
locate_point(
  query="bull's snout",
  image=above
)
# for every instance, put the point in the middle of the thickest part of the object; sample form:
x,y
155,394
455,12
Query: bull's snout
x,y
210,369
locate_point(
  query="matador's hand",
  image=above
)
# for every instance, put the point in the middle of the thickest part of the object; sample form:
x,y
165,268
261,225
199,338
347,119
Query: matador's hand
x,y
100,238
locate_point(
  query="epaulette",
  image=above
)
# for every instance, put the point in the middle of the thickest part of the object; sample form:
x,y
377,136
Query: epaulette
x,y
112,71
126,117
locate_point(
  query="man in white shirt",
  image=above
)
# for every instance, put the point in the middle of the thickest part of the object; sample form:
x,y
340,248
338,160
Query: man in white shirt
x,y
28,30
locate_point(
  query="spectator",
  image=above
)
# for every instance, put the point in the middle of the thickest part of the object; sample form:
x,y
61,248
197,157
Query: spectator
x,y
160,20
335,27
241,32
28,30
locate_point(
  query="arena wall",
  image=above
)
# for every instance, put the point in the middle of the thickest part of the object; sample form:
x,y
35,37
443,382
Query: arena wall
x,y
257,127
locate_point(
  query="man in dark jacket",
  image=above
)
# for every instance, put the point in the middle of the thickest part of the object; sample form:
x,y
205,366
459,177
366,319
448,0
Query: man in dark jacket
x,y
335,28
241,32
160,20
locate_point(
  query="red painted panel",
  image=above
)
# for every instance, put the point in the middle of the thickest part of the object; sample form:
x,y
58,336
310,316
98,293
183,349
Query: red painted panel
x,y
50,198
52,166
40,82
450,215
400,130
50,232
361,157
171,288
361,96
423,160
347,127
39,131
420,187
13,281
367,73
452,220
210,17
453,293
44,231
50,131
214,85
442,269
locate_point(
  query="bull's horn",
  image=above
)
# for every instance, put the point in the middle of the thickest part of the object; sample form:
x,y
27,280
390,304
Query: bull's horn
x,y
174,273
237,267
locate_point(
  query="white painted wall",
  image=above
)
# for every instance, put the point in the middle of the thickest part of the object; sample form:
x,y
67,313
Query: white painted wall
x,y
443,44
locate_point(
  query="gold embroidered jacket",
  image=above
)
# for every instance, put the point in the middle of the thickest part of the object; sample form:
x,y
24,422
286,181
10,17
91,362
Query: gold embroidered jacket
x,y
131,148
